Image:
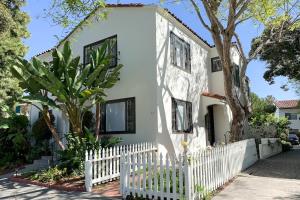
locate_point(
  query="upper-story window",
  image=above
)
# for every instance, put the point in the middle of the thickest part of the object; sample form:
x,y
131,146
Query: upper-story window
x,y
180,53
182,120
110,51
216,64
291,116
236,75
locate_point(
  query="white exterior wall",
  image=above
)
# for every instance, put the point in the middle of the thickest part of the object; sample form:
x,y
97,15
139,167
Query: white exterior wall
x,y
216,79
135,30
221,120
295,124
144,50
175,82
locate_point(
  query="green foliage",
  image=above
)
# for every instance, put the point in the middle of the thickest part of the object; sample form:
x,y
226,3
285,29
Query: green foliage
x,y
280,123
14,140
13,29
73,157
262,105
53,174
281,52
76,87
69,13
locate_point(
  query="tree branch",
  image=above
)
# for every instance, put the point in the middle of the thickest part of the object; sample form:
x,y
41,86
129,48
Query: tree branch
x,y
199,15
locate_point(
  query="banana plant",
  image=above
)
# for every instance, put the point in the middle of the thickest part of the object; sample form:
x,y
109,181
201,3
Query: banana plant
x,y
65,83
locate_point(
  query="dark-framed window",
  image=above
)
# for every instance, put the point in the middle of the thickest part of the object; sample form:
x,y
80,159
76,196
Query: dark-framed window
x,y
216,64
112,50
180,53
182,116
236,75
118,116
291,116
293,131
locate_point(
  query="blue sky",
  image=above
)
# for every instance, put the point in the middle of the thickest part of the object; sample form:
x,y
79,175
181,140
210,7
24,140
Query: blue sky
x,y
43,37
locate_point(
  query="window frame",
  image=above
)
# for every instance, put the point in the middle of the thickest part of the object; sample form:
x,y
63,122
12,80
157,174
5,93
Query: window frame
x,y
99,42
187,68
103,116
189,116
213,59
290,116
236,75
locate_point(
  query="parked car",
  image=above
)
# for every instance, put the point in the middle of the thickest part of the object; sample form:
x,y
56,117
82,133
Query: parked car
x,y
293,138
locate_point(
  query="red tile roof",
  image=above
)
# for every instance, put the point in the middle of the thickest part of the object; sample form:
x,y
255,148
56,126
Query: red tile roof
x,y
288,104
213,95
127,5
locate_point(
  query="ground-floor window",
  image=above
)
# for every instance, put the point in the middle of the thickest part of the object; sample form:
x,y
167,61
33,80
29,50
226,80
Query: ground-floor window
x,y
118,116
182,120
291,116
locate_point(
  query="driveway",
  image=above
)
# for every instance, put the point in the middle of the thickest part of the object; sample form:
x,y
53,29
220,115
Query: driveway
x,y
17,191
277,177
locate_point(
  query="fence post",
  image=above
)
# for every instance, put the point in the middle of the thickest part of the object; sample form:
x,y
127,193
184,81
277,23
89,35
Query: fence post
x,y
88,175
122,173
188,179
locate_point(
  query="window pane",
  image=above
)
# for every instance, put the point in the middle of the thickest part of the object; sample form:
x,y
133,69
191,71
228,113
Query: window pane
x,y
115,117
216,64
110,51
181,116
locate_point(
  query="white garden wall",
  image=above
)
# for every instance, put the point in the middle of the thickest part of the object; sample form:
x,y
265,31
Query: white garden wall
x,y
269,147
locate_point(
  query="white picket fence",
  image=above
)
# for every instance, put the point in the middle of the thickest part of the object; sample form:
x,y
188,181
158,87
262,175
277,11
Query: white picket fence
x,y
187,177
104,165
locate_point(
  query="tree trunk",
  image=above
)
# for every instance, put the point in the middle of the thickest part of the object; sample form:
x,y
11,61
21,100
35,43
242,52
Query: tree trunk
x,y
97,120
52,128
238,113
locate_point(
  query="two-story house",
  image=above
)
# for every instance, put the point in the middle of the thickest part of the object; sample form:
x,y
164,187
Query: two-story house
x,y
291,110
171,87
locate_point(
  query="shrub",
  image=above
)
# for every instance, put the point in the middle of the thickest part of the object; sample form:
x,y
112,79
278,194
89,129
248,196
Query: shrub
x,y
74,156
14,140
264,121
50,175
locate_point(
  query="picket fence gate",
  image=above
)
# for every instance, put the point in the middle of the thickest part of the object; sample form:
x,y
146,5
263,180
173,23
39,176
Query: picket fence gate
x,y
104,165
184,177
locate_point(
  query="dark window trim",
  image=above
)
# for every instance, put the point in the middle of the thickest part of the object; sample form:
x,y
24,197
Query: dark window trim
x,y
187,69
211,61
126,113
289,116
174,125
98,42
236,75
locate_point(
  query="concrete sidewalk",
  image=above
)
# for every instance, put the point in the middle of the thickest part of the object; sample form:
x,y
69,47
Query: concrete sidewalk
x,y
17,191
277,177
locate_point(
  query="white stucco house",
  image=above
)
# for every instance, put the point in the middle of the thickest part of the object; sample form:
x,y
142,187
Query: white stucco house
x,y
291,110
171,86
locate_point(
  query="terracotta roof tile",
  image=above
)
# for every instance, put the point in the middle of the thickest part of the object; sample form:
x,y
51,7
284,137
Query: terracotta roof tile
x,y
128,5
288,104
213,95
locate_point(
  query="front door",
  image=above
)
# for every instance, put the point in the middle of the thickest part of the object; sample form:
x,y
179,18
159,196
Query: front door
x,y
209,124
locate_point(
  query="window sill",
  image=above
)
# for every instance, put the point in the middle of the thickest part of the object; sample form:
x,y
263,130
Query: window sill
x,y
116,132
182,132
182,69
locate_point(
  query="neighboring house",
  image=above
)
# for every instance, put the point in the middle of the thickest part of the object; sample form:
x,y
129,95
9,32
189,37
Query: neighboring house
x,y
291,110
171,87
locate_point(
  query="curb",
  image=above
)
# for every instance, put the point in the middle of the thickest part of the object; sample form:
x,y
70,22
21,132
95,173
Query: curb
x,y
48,185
